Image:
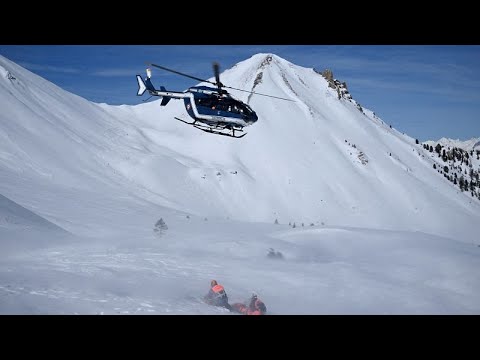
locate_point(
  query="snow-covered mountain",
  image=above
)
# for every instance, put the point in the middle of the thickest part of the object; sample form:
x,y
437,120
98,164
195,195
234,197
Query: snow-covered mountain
x,y
316,160
322,162
466,145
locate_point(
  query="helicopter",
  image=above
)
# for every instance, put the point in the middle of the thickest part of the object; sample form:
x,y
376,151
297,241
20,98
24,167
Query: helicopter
x,y
212,109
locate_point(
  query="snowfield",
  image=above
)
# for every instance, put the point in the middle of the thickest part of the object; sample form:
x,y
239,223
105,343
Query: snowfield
x,y
82,185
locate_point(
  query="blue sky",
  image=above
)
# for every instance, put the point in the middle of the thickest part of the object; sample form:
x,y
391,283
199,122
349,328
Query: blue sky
x,y
425,91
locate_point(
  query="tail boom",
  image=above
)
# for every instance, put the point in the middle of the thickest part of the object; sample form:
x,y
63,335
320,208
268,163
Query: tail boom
x,y
144,85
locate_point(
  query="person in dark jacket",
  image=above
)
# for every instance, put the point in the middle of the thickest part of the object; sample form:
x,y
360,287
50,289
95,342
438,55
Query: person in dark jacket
x,y
217,296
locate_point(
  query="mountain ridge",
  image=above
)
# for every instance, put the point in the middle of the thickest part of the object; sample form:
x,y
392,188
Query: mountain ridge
x,y
466,145
317,160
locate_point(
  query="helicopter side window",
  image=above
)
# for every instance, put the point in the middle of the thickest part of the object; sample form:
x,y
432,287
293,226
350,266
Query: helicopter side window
x,y
233,108
203,102
227,105
221,105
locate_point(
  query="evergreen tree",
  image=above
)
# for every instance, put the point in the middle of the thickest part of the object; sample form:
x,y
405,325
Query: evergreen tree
x,y
276,222
160,227
161,224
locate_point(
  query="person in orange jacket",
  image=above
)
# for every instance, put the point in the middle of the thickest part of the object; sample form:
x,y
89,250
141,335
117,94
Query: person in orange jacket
x,y
254,307
217,296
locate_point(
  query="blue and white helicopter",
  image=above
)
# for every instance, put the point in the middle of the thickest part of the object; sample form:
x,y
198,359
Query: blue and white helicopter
x,y
213,110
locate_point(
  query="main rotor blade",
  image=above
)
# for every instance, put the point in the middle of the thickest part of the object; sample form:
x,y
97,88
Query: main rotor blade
x,y
179,73
216,70
256,93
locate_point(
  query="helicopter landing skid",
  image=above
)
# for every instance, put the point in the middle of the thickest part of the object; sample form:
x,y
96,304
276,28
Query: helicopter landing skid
x,y
212,130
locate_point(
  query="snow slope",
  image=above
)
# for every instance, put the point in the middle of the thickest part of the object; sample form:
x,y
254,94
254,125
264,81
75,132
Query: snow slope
x,y
297,163
13,215
106,174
